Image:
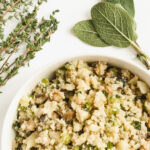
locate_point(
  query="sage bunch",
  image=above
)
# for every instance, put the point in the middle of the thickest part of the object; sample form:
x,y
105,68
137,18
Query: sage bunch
x,y
112,24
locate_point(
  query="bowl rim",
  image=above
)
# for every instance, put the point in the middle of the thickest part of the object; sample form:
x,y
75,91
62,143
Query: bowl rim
x,y
57,64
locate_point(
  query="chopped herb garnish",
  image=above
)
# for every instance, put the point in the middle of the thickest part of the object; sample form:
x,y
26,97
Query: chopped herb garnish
x,y
31,95
118,96
16,125
79,92
88,106
105,93
110,145
135,142
68,66
114,111
22,108
111,122
122,107
130,115
114,70
137,125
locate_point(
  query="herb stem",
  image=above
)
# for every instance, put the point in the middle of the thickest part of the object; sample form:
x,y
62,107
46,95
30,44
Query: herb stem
x,y
28,32
7,77
28,49
10,8
15,49
143,57
22,29
1,68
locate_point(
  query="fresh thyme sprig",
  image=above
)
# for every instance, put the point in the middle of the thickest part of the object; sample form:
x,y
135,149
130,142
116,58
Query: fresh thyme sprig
x,y
13,9
42,35
24,37
12,52
14,37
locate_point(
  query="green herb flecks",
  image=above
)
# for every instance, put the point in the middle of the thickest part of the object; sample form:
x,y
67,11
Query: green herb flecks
x,y
88,106
137,125
16,126
110,145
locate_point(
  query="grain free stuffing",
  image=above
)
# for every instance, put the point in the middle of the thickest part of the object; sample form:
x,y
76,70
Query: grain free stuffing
x,y
85,106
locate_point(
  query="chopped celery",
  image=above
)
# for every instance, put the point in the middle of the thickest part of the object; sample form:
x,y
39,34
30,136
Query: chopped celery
x,y
114,100
88,106
76,148
45,81
66,138
114,111
110,145
114,70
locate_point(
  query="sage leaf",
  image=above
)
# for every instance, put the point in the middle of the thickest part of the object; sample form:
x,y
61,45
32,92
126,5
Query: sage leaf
x,y
113,24
128,5
86,32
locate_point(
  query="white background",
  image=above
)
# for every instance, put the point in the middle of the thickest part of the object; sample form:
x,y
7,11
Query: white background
x,y
64,43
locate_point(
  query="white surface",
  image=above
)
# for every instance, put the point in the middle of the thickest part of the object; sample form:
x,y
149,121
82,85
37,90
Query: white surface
x,y
64,43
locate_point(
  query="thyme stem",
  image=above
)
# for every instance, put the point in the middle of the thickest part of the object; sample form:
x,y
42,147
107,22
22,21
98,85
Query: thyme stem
x,y
15,49
29,32
10,8
22,29
7,77
1,68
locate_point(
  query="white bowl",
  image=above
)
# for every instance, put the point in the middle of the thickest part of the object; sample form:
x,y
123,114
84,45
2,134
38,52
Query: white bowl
x,y
7,132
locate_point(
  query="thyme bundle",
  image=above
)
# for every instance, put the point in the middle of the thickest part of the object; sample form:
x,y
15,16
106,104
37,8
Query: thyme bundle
x,y
28,33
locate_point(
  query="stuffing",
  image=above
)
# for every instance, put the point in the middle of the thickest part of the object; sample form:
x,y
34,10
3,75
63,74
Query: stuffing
x,y
143,87
122,145
77,126
69,115
28,125
81,115
57,96
85,106
43,138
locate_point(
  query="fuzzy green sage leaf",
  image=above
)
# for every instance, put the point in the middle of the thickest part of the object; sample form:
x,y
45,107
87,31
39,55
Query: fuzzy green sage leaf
x,y
86,32
128,5
113,24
